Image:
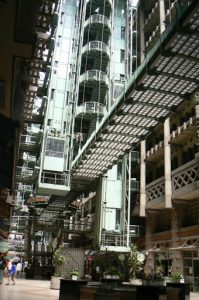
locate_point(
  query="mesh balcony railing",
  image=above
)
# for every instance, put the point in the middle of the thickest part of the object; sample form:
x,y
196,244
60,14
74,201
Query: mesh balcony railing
x,y
55,178
96,45
91,108
98,19
94,75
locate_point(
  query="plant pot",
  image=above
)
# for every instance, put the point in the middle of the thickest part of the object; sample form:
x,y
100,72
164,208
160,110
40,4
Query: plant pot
x,y
55,282
74,277
135,281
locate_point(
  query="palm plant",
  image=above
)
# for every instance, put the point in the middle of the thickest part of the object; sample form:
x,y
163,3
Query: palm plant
x,y
134,262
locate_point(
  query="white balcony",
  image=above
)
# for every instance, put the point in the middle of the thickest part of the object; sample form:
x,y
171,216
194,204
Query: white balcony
x,y
94,75
99,19
96,46
91,108
54,183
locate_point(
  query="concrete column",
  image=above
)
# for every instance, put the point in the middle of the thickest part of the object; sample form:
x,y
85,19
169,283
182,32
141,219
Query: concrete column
x,y
162,16
197,119
150,224
167,164
142,179
176,254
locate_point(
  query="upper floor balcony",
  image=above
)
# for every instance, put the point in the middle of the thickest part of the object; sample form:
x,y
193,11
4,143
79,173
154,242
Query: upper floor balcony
x,y
97,51
53,182
90,108
117,240
24,175
153,18
30,142
94,76
79,225
178,136
104,7
99,23
185,185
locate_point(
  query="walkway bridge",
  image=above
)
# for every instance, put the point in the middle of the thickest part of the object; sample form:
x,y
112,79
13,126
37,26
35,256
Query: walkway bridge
x,y
168,76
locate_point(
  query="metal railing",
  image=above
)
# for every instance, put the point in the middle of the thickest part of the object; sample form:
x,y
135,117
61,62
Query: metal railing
x,y
55,178
91,108
97,18
96,45
119,238
94,75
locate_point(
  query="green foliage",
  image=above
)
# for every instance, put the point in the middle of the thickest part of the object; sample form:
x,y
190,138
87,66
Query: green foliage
x,y
57,274
74,272
58,257
176,276
112,271
135,264
153,277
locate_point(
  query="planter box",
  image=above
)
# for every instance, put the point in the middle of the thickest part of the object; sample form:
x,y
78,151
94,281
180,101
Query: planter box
x,y
70,289
55,282
112,296
184,289
135,281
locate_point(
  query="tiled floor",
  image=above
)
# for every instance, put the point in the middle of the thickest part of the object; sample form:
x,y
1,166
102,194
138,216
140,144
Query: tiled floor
x,y
28,290
37,290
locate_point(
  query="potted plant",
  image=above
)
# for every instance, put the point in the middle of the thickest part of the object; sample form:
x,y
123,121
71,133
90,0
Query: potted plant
x,y
135,263
58,261
177,277
74,273
112,272
159,278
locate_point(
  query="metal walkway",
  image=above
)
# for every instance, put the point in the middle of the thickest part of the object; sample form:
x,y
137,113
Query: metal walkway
x,y
168,76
